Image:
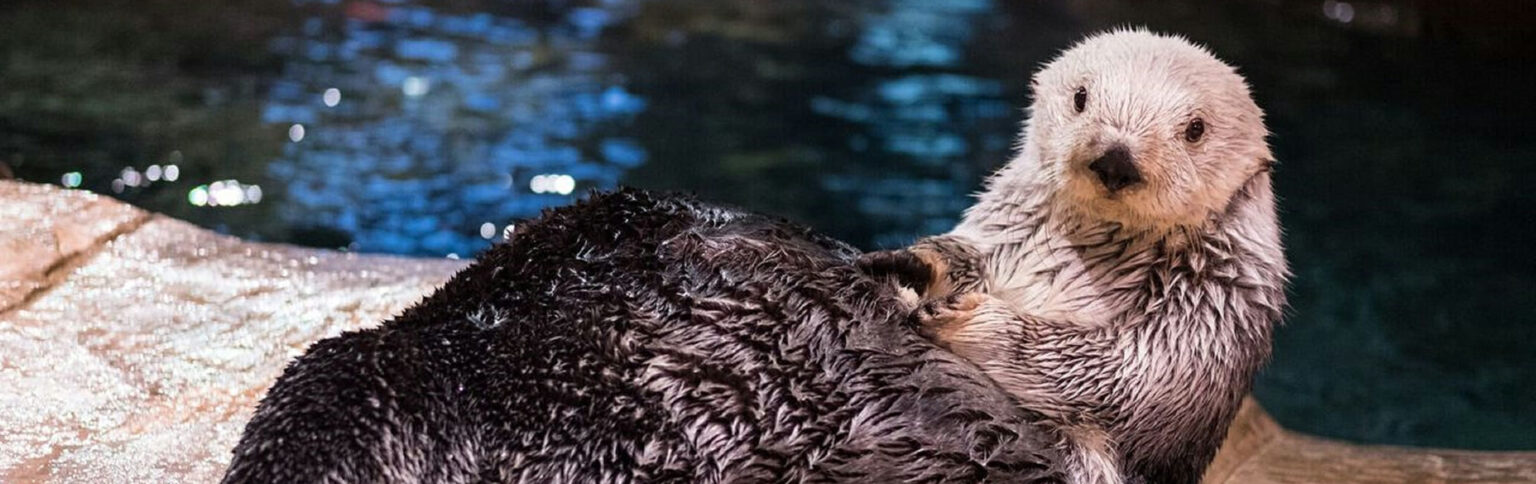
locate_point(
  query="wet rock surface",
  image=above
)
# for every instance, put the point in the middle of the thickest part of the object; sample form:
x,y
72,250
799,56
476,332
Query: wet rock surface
x,y
42,228
134,347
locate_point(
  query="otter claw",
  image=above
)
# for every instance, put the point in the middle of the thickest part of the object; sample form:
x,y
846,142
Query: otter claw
x,y
936,318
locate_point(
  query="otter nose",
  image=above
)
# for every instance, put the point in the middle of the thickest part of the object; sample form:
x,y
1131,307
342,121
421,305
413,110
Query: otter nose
x,y
1116,169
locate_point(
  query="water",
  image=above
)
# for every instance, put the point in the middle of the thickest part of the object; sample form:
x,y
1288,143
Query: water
x,y
427,127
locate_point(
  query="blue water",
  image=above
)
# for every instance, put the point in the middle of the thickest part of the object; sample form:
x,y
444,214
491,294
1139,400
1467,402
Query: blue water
x,y
427,127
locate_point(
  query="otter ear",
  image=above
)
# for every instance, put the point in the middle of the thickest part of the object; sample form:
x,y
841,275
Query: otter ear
x,y
1266,156
1267,163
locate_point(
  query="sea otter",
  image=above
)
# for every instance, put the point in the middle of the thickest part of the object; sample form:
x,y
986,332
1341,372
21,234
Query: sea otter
x,y
636,337
1123,273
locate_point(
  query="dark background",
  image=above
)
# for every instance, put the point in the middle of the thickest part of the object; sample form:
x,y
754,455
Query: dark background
x,y
1403,130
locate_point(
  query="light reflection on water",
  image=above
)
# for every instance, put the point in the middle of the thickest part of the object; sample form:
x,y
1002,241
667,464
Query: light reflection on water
x,y
457,119
429,127
450,118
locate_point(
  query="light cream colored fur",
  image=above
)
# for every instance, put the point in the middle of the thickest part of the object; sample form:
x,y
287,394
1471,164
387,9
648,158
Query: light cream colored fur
x,y
1135,318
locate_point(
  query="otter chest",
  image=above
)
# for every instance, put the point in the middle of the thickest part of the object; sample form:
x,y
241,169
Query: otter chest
x,y
1060,281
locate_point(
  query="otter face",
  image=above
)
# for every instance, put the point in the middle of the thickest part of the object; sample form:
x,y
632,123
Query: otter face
x,y
1145,130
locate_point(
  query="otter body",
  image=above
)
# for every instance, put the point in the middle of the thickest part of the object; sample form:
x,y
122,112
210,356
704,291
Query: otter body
x,y
1123,274
643,338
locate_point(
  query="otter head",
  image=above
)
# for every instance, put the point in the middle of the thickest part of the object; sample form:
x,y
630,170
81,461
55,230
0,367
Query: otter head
x,y
1145,130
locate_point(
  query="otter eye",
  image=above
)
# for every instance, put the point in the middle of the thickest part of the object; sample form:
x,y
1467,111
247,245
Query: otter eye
x,y
1080,99
1195,130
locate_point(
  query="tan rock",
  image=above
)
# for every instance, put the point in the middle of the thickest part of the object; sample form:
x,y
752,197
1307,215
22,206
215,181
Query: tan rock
x,y
1258,451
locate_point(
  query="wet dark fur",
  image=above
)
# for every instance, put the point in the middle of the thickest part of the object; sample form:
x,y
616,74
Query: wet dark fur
x,y
635,337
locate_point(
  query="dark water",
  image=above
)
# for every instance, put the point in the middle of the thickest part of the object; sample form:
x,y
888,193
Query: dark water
x,y
1402,129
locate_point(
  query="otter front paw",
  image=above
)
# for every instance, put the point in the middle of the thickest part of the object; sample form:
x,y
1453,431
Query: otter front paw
x,y
905,266
938,319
